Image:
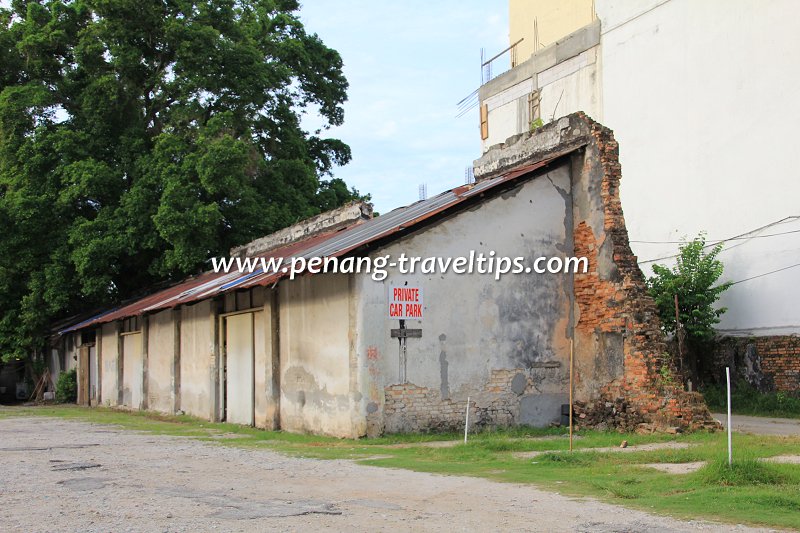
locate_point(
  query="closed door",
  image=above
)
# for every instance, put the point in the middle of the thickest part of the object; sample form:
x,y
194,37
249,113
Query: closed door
x,y
239,384
132,370
83,375
93,375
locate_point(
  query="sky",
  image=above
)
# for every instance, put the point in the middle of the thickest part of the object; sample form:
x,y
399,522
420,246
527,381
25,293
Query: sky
x,y
408,64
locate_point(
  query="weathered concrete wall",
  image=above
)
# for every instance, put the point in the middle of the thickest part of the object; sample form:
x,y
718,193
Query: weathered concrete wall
x,y
198,360
160,361
267,372
109,390
132,368
262,345
315,348
619,347
504,343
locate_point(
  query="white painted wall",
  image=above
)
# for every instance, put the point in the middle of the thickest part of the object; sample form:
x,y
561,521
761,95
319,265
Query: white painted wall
x,y
702,100
702,97
567,75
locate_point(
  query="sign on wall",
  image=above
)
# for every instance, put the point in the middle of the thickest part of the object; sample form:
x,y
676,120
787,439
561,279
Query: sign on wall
x,y
405,303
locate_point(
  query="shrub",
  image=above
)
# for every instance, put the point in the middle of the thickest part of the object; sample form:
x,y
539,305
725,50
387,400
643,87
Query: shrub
x,y
67,387
747,400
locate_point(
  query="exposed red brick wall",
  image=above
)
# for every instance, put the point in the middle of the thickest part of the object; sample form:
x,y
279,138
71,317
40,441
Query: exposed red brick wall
x,y
623,305
596,298
410,407
780,358
770,363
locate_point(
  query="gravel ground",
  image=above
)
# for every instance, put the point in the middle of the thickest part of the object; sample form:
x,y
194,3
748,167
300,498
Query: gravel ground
x,y
72,476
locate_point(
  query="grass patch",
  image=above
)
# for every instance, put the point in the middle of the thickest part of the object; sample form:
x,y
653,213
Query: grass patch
x,y
566,458
743,472
746,400
752,492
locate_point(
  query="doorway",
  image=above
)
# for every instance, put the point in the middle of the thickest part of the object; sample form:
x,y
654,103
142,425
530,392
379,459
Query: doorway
x,y
239,369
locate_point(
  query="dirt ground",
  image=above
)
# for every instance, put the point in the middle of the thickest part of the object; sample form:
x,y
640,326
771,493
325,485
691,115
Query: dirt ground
x,y
72,476
761,425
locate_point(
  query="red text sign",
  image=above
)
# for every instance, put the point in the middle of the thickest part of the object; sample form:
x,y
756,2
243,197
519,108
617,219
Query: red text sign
x,y
405,303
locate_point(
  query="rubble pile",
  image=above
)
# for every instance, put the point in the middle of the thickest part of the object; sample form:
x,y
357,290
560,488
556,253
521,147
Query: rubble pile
x,y
604,414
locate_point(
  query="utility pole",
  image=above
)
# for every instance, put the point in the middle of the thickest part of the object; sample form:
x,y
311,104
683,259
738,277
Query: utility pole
x,y
678,333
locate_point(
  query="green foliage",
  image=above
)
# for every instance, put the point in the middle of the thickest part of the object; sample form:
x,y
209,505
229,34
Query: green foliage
x,y
536,124
67,387
665,376
747,400
693,279
139,138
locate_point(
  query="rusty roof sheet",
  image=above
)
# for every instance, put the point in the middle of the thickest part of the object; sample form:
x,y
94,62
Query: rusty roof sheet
x,y
331,244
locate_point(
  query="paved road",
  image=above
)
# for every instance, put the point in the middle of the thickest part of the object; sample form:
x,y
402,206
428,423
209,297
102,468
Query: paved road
x,y
760,425
72,476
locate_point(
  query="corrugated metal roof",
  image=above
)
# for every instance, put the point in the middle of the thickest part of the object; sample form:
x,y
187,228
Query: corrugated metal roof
x,y
332,244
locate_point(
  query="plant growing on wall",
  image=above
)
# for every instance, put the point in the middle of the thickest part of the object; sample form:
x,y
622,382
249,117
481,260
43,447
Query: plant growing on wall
x,y
694,280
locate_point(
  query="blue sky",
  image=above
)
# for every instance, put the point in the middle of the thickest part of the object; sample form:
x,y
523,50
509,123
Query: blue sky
x,y
408,64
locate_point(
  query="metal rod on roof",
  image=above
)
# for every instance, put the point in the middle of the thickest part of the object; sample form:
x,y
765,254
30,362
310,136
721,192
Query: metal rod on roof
x,y
503,52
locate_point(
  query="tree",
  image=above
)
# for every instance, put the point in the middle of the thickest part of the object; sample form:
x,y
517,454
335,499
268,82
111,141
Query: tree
x,y
693,280
140,137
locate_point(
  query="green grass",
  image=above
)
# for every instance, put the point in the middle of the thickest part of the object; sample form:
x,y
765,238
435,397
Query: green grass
x,y
746,400
752,492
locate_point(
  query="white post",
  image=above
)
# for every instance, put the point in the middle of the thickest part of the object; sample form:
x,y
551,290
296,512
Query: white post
x,y
466,423
728,380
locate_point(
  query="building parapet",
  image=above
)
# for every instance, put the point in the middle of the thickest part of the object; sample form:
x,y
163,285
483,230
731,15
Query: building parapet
x,y
572,45
346,215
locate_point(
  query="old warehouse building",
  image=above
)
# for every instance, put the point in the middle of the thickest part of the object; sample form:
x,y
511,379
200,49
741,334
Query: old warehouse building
x,y
321,353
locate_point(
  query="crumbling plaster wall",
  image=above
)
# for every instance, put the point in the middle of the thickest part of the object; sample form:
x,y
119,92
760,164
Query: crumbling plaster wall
x,y
132,370
265,405
619,347
198,365
160,361
109,392
502,343
318,389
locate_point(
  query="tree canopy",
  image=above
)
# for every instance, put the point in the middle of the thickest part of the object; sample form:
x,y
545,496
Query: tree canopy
x,y
140,137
